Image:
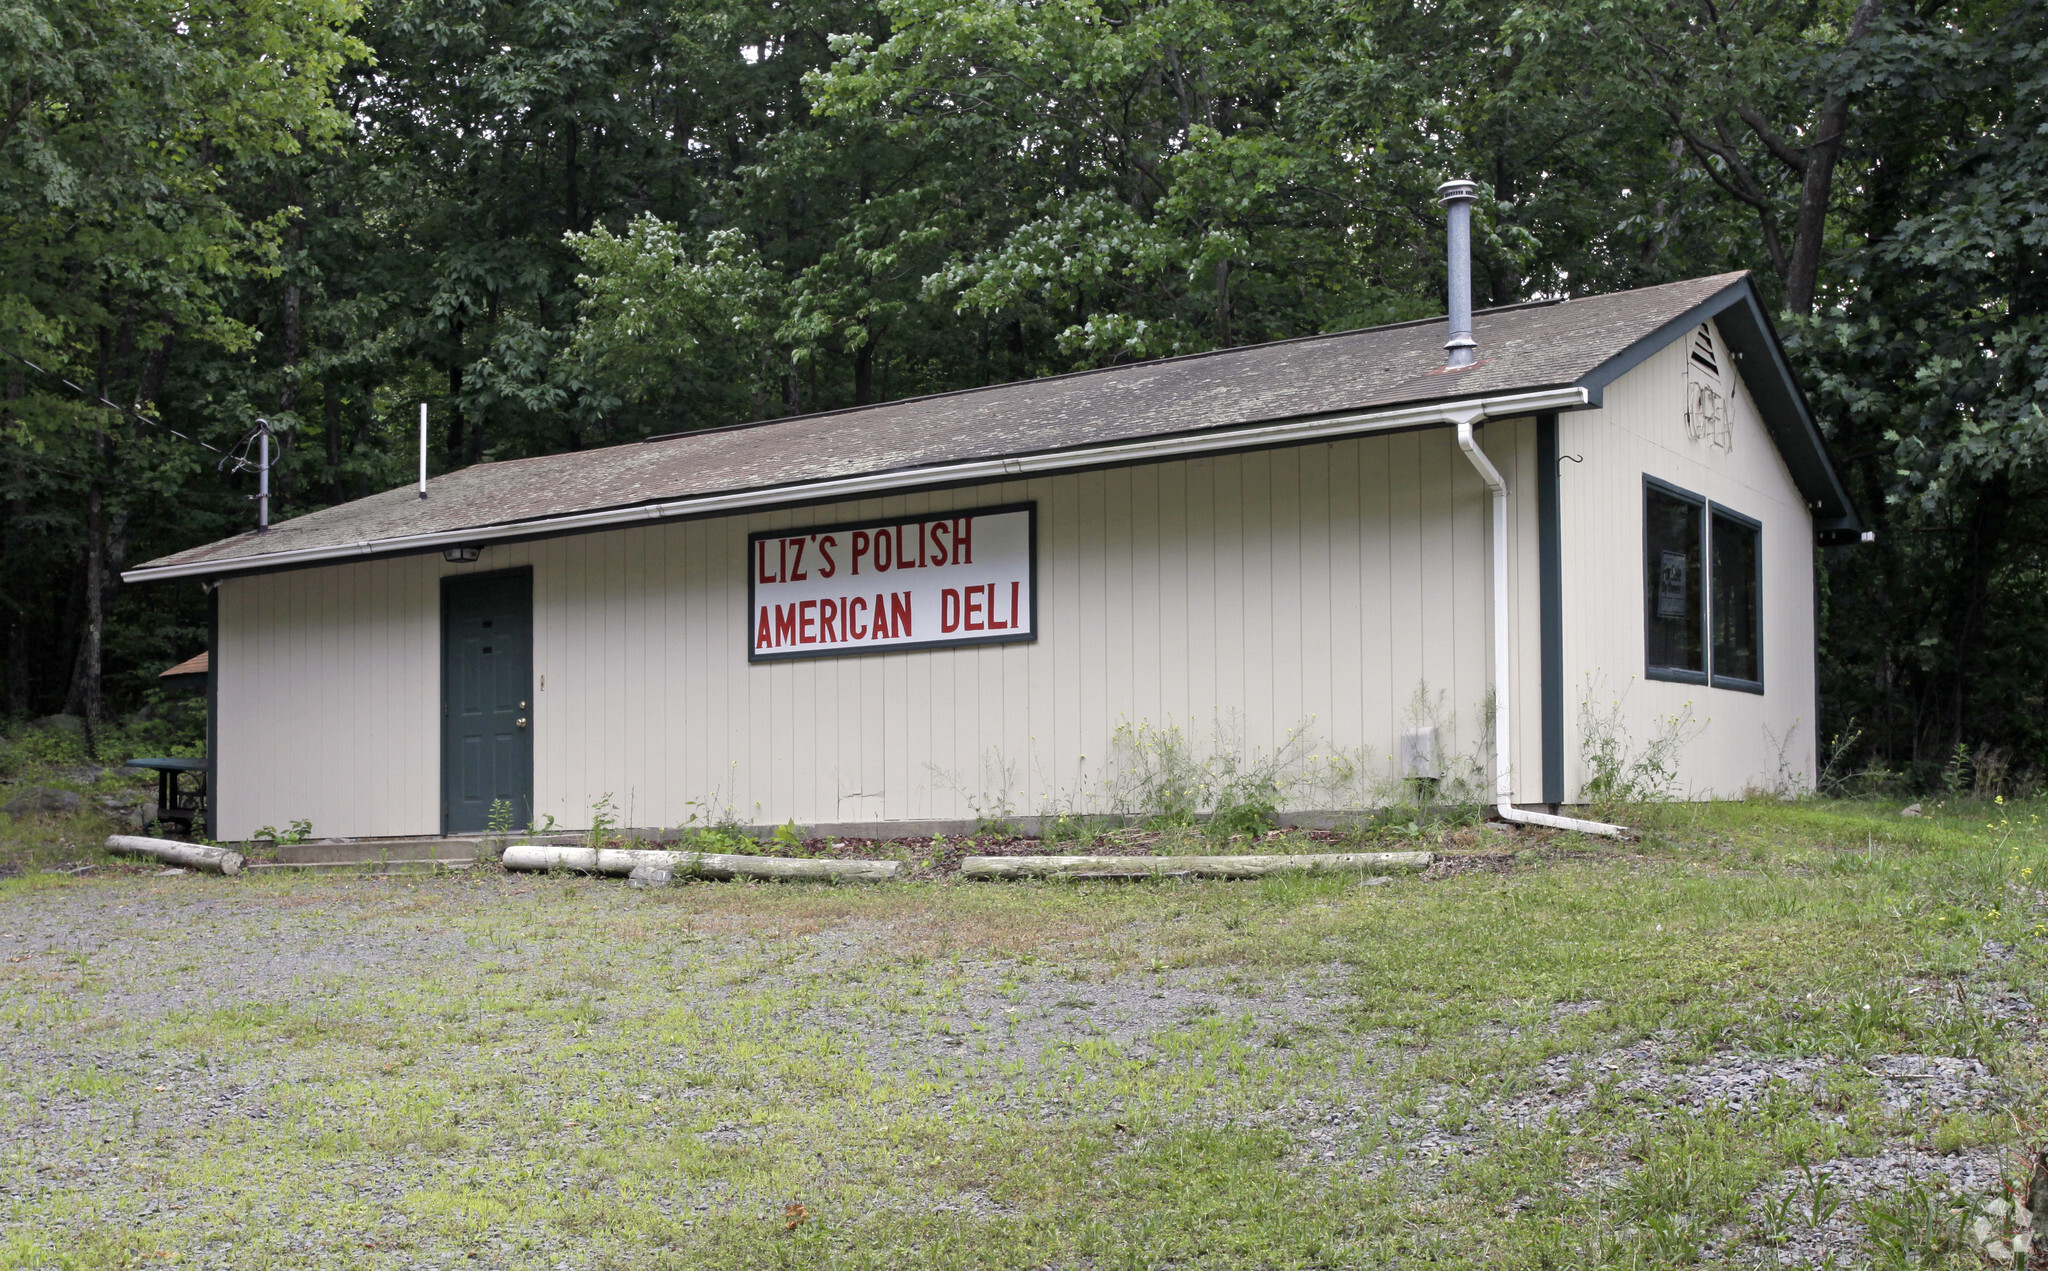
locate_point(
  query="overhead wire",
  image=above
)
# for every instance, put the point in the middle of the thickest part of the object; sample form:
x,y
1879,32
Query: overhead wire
x,y
238,455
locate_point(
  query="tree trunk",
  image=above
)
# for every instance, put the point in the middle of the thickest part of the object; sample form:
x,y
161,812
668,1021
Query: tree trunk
x,y
2037,1206
88,669
16,552
330,409
1816,163
455,439
571,216
1970,595
155,368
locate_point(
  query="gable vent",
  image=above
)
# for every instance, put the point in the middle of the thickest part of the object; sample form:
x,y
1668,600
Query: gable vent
x,y
1703,350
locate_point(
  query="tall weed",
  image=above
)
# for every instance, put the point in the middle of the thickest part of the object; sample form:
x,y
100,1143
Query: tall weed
x,y
1154,774
1620,770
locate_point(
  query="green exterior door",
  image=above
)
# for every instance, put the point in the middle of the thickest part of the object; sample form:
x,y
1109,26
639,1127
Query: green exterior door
x,y
486,695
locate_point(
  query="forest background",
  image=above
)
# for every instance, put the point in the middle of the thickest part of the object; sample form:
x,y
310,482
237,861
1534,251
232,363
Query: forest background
x,y
569,223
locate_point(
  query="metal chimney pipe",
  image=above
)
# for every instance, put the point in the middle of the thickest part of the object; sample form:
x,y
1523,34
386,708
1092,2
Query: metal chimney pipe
x,y
1461,349
423,450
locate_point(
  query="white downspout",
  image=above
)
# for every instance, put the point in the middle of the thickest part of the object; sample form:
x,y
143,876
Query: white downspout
x,y
1503,768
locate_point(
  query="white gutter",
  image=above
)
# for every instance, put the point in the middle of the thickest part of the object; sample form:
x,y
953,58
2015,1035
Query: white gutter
x,y
1503,768
891,482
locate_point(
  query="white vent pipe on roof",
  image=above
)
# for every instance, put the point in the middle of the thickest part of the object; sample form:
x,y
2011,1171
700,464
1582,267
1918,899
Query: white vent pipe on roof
x,y
1461,349
423,450
1503,767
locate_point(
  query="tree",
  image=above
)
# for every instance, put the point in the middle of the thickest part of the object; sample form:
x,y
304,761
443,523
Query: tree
x,y
1758,92
124,120
1930,364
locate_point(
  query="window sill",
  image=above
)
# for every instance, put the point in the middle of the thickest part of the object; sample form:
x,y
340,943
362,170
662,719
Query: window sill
x,y
1739,686
1674,674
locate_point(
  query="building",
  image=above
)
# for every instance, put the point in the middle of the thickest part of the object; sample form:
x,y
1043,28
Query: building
x,y
874,617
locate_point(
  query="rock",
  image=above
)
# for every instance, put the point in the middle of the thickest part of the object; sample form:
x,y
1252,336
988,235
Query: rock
x,y
172,872
1911,809
129,810
68,725
42,801
649,876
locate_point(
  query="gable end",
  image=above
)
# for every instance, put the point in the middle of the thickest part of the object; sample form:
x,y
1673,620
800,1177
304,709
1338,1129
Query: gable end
x,y
1760,359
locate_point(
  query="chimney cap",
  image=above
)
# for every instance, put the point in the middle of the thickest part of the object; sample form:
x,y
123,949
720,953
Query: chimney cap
x,y
1459,190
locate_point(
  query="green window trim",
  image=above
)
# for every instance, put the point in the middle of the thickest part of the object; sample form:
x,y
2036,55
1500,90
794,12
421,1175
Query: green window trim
x,y
1702,590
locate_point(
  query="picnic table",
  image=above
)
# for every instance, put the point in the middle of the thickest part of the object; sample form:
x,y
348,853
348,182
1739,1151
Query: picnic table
x,y
180,790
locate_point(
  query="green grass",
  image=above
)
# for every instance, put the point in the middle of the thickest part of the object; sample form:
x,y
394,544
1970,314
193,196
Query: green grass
x,y
537,1072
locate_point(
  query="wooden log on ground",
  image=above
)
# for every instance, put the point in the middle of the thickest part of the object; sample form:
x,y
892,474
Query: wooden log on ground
x,y
621,862
214,860
1192,866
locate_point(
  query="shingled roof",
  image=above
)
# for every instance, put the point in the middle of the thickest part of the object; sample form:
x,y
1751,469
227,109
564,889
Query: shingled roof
x,y
1584,343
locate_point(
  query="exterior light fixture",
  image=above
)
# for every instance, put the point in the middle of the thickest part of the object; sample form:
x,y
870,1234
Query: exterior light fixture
x,y
462,555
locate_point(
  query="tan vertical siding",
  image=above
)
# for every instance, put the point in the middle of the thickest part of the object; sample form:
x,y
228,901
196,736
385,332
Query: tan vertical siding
x,y
1639,431
1318,586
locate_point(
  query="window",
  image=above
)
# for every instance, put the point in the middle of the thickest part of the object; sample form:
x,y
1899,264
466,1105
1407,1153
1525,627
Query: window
x,y
1703,585
1737,580
1673,533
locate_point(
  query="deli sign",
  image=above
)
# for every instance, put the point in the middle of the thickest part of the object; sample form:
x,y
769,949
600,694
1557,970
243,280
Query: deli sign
x,y
922,582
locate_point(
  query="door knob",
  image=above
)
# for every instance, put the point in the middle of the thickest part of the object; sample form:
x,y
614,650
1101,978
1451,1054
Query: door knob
x,y
522,721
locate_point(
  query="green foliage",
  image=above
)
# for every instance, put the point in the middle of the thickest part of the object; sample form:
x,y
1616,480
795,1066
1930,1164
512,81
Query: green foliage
x,y
1928,367
498,828
1154,774
604,823
298,832
1620,771
1917,1226
697,336
707,831
33,750
132,133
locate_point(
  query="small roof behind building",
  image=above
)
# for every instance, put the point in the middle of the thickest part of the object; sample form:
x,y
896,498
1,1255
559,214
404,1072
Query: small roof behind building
x,y
199,664
1585,343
